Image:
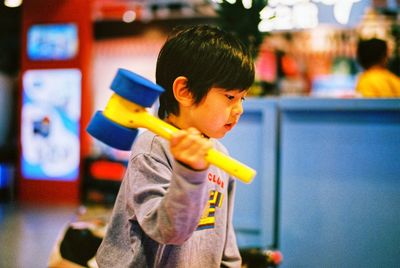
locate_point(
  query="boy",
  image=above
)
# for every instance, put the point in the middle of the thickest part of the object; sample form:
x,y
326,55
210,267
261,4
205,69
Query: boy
x,y
376,81
173,208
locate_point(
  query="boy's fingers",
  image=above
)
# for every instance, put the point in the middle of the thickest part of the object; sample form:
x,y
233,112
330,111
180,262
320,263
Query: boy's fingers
x,y
190,147
193,131
177,136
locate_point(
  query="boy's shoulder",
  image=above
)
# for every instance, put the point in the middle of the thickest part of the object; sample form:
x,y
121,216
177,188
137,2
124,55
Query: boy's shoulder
x,y
148,142
146,136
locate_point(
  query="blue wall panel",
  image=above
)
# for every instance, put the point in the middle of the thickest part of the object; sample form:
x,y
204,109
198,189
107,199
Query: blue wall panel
x,y
340,186
253,142
327,192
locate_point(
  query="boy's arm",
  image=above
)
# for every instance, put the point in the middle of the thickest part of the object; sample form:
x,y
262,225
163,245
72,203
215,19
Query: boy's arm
x,y
168,203
231,255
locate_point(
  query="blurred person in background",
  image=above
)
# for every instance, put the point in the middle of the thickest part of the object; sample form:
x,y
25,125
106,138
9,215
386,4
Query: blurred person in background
x,y
376,81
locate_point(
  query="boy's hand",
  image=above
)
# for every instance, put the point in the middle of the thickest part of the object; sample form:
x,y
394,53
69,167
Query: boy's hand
x,y
190,147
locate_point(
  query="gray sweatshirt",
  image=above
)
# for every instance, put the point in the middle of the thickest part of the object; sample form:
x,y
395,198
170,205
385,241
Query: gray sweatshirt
x,y
167,215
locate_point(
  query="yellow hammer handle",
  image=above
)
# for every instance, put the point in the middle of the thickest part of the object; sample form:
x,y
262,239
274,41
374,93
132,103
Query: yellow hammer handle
x,y
131,115
215,157
230,165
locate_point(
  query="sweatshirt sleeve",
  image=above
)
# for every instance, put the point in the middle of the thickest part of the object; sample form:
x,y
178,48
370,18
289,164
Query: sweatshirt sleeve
x,y
167,198
231,255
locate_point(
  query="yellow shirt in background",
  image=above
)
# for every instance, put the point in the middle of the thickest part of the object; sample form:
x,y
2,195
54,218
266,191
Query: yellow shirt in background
x,y
378,83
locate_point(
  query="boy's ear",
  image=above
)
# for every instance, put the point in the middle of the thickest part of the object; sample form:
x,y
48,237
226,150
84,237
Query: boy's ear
x,y
181,91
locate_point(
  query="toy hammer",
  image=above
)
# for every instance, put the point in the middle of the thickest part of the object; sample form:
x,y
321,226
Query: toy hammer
x,y
126,111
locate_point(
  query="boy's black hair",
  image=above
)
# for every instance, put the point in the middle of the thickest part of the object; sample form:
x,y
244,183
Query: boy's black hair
x,y
371,52
208,57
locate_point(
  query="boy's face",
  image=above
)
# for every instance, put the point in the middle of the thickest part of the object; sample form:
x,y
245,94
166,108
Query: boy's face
x,y
217,113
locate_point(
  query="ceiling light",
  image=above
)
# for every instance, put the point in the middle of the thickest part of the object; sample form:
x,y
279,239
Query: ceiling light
x,y
12,3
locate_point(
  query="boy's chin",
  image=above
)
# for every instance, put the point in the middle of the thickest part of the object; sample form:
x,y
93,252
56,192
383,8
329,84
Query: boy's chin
x,y
217,135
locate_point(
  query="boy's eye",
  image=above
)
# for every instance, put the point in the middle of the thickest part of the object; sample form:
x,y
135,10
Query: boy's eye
x,y
230,97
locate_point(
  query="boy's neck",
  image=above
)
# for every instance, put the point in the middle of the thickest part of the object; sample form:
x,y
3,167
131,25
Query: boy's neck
x,y
175,121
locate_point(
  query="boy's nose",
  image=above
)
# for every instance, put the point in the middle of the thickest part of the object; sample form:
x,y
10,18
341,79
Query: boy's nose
x,y
238,109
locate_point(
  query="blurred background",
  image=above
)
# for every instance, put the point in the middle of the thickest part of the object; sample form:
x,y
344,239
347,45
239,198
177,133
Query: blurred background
x,y
327,190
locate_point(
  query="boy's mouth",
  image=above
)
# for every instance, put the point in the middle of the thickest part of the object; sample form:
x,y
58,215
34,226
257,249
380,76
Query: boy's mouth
x,y
229,126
